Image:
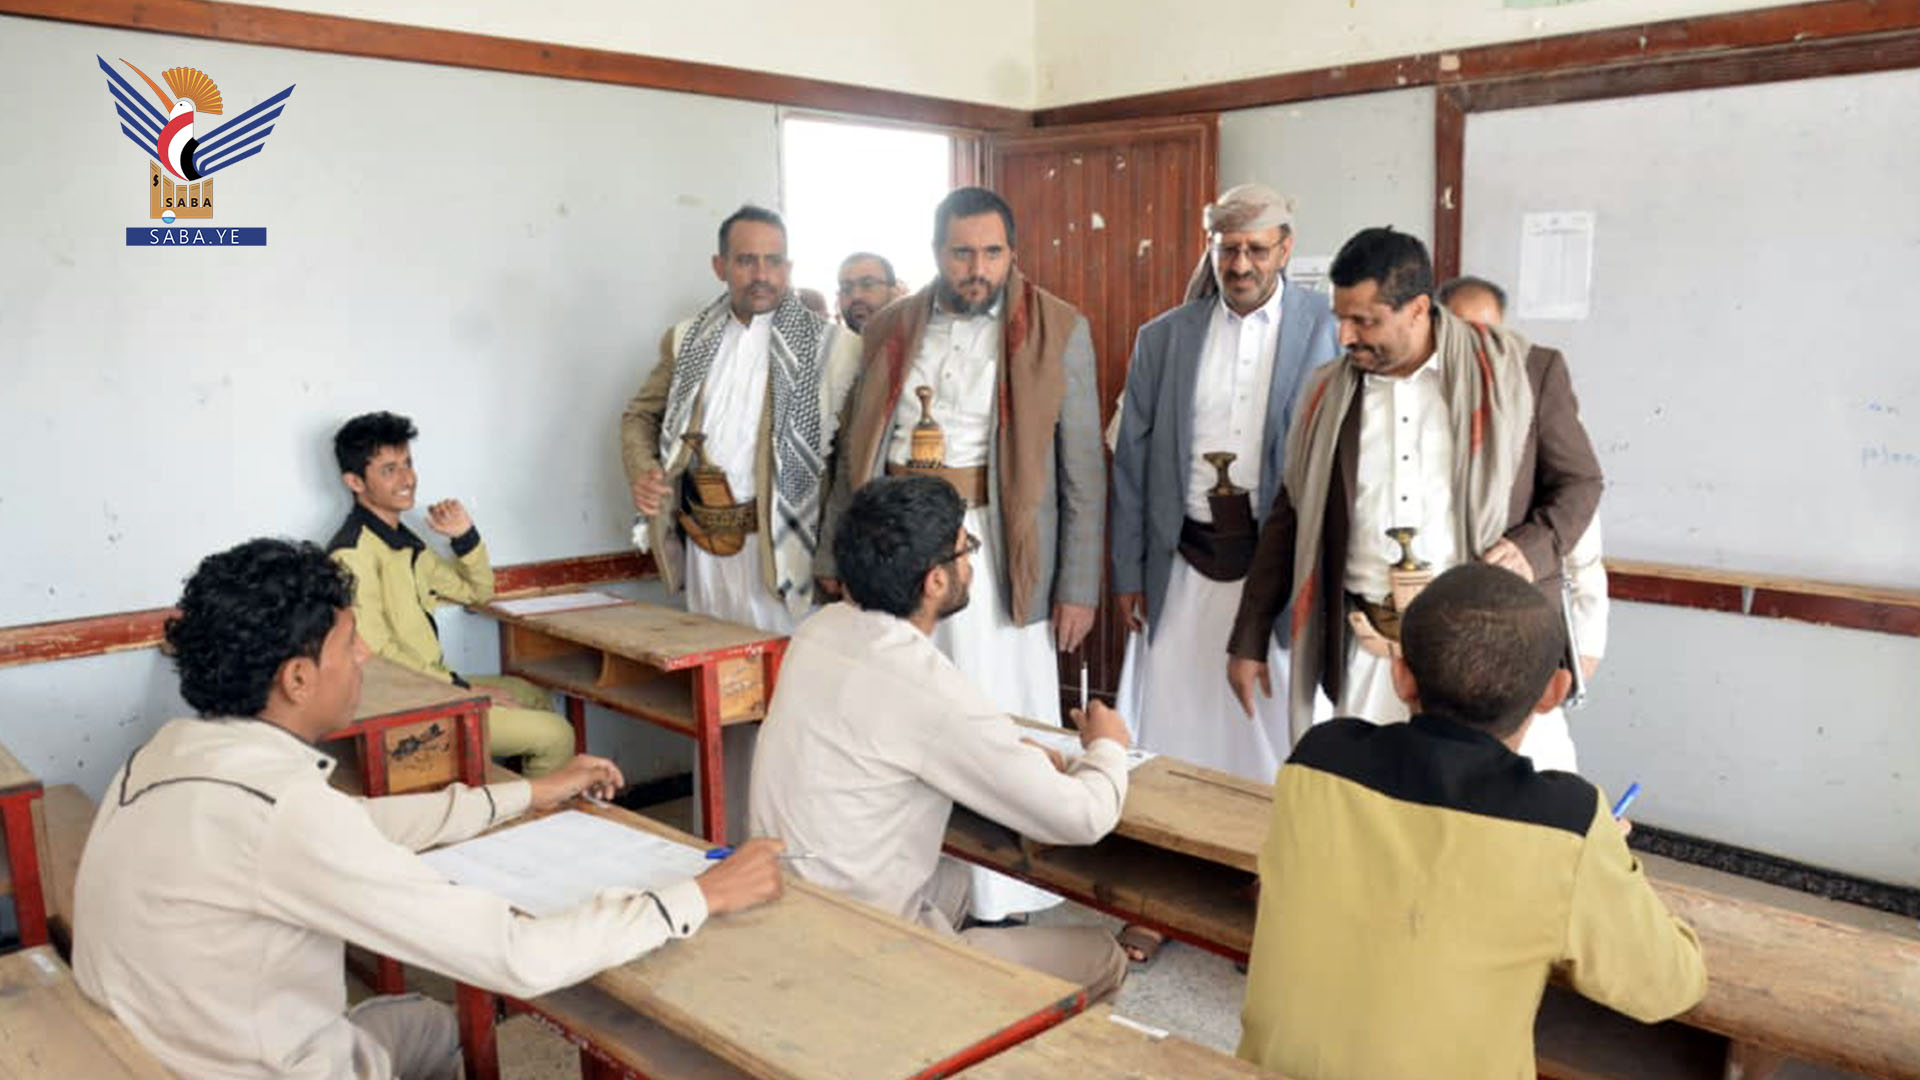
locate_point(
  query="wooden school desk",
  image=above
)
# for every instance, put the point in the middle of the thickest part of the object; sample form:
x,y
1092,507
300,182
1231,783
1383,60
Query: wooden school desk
x,y
413,733
1093,1045
1830,983
1182,860
49,1029
684,672
19,791
813,986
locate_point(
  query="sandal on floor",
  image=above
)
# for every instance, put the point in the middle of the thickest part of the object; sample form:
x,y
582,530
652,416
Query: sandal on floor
x,y
1141,944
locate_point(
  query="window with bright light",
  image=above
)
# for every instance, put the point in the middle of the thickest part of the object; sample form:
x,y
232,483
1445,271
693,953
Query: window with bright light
x,y
860,187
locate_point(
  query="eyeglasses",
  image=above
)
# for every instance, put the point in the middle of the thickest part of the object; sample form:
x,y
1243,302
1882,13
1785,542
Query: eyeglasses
x,y
1256,253
967,547
865,284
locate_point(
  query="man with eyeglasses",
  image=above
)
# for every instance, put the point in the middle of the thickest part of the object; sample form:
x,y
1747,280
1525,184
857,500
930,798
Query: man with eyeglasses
x,y
987,381
873,735
726,445
1218,374
867,284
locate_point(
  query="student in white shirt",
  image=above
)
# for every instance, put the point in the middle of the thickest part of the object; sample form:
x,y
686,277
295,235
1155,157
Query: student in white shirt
x,y
224,875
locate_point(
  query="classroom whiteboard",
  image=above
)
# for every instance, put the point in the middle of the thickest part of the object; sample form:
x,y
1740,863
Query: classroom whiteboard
x,y
495,255
1748,368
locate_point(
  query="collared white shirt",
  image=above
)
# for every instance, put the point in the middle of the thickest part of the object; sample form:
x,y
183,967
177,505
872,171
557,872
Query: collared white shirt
x,y
872,739
736,401
959,357
1230,393
223,876
1404,477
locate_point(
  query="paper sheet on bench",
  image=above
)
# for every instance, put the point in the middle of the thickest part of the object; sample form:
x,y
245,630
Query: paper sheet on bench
x,y
1068,743
561,861
547,605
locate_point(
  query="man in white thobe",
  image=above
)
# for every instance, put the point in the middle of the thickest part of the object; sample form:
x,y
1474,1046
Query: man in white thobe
x,y
1008,374
1218,374
748,389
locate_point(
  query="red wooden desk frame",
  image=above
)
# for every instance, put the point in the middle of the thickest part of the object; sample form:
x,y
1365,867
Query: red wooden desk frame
x,y
23,862
706,727
479,1012
469,715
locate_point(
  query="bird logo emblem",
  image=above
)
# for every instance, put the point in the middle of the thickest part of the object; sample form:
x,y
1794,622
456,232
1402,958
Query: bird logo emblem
x,y
180,181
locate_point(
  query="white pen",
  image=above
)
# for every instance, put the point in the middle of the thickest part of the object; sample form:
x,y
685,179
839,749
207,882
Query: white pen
x,y
1083,686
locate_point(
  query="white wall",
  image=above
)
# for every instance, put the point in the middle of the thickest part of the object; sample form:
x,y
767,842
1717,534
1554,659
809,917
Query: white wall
x,y
1094,49
1783,737
495,255
982,52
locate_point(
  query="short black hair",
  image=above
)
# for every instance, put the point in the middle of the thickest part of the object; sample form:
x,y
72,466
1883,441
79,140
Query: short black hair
x,y
361,437
245,612
1467,283
750,212
1482,645
1397,261
885,263
896,530
970,202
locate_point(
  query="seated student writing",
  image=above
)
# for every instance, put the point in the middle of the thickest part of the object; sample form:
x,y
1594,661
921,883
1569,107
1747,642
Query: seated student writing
x,y
398,579
873,735
224,874
1421,881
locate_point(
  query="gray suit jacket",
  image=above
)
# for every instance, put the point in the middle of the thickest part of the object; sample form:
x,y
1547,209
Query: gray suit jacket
x,y
1155,448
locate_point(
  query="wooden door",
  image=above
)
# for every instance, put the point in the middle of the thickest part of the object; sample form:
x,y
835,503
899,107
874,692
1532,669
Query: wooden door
x,y
1109,219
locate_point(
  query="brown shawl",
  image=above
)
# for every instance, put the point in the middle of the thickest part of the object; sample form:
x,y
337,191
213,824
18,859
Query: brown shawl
x,y
1032,384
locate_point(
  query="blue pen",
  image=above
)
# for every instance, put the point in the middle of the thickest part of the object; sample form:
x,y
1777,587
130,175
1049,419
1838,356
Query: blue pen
x,y
1626,798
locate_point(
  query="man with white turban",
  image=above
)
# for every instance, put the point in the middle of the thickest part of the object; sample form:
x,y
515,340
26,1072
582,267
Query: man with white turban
x,y
1217,375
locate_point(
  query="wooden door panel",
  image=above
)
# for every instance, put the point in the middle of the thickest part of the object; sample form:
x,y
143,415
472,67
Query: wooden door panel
x,y
1109,219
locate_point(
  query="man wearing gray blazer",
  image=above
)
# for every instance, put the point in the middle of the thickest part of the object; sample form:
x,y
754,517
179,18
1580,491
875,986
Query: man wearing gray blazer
x,y
1210,392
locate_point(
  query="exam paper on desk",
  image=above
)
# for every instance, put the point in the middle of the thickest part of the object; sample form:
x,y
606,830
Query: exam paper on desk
x,y
547,605
548,866
1068,744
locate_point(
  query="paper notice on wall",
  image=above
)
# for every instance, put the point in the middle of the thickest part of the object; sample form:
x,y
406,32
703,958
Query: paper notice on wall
x,y
1556,264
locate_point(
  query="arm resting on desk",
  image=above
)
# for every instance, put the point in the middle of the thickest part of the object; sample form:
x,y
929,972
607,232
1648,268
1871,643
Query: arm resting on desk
x,y
980,763
454,813
1624,949
325,865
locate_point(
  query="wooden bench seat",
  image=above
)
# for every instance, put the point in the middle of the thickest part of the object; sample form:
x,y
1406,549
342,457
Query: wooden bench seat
x,y
49,1030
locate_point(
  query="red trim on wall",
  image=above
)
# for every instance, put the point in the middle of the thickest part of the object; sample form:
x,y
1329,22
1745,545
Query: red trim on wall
x,y
1844,611
1674,592
392,41
69,639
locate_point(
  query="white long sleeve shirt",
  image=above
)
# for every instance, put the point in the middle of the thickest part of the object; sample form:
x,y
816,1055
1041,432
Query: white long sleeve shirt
x,y
959,357
873,735
1230,390
224,875
736,401
1404,476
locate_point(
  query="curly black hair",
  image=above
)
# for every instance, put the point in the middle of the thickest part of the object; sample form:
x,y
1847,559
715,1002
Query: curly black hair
x,y
245,612
361,437
896,530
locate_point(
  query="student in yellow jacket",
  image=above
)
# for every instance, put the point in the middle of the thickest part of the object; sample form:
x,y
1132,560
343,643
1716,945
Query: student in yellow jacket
x,y
1421,881
398,579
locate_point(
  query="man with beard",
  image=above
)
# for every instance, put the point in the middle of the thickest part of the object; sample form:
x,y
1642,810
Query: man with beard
x,y
987,381
1218,374
726,446
873,734
1464,441
867,284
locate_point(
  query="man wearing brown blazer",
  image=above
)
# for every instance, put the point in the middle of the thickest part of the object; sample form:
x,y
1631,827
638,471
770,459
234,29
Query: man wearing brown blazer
x,y
1463,440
